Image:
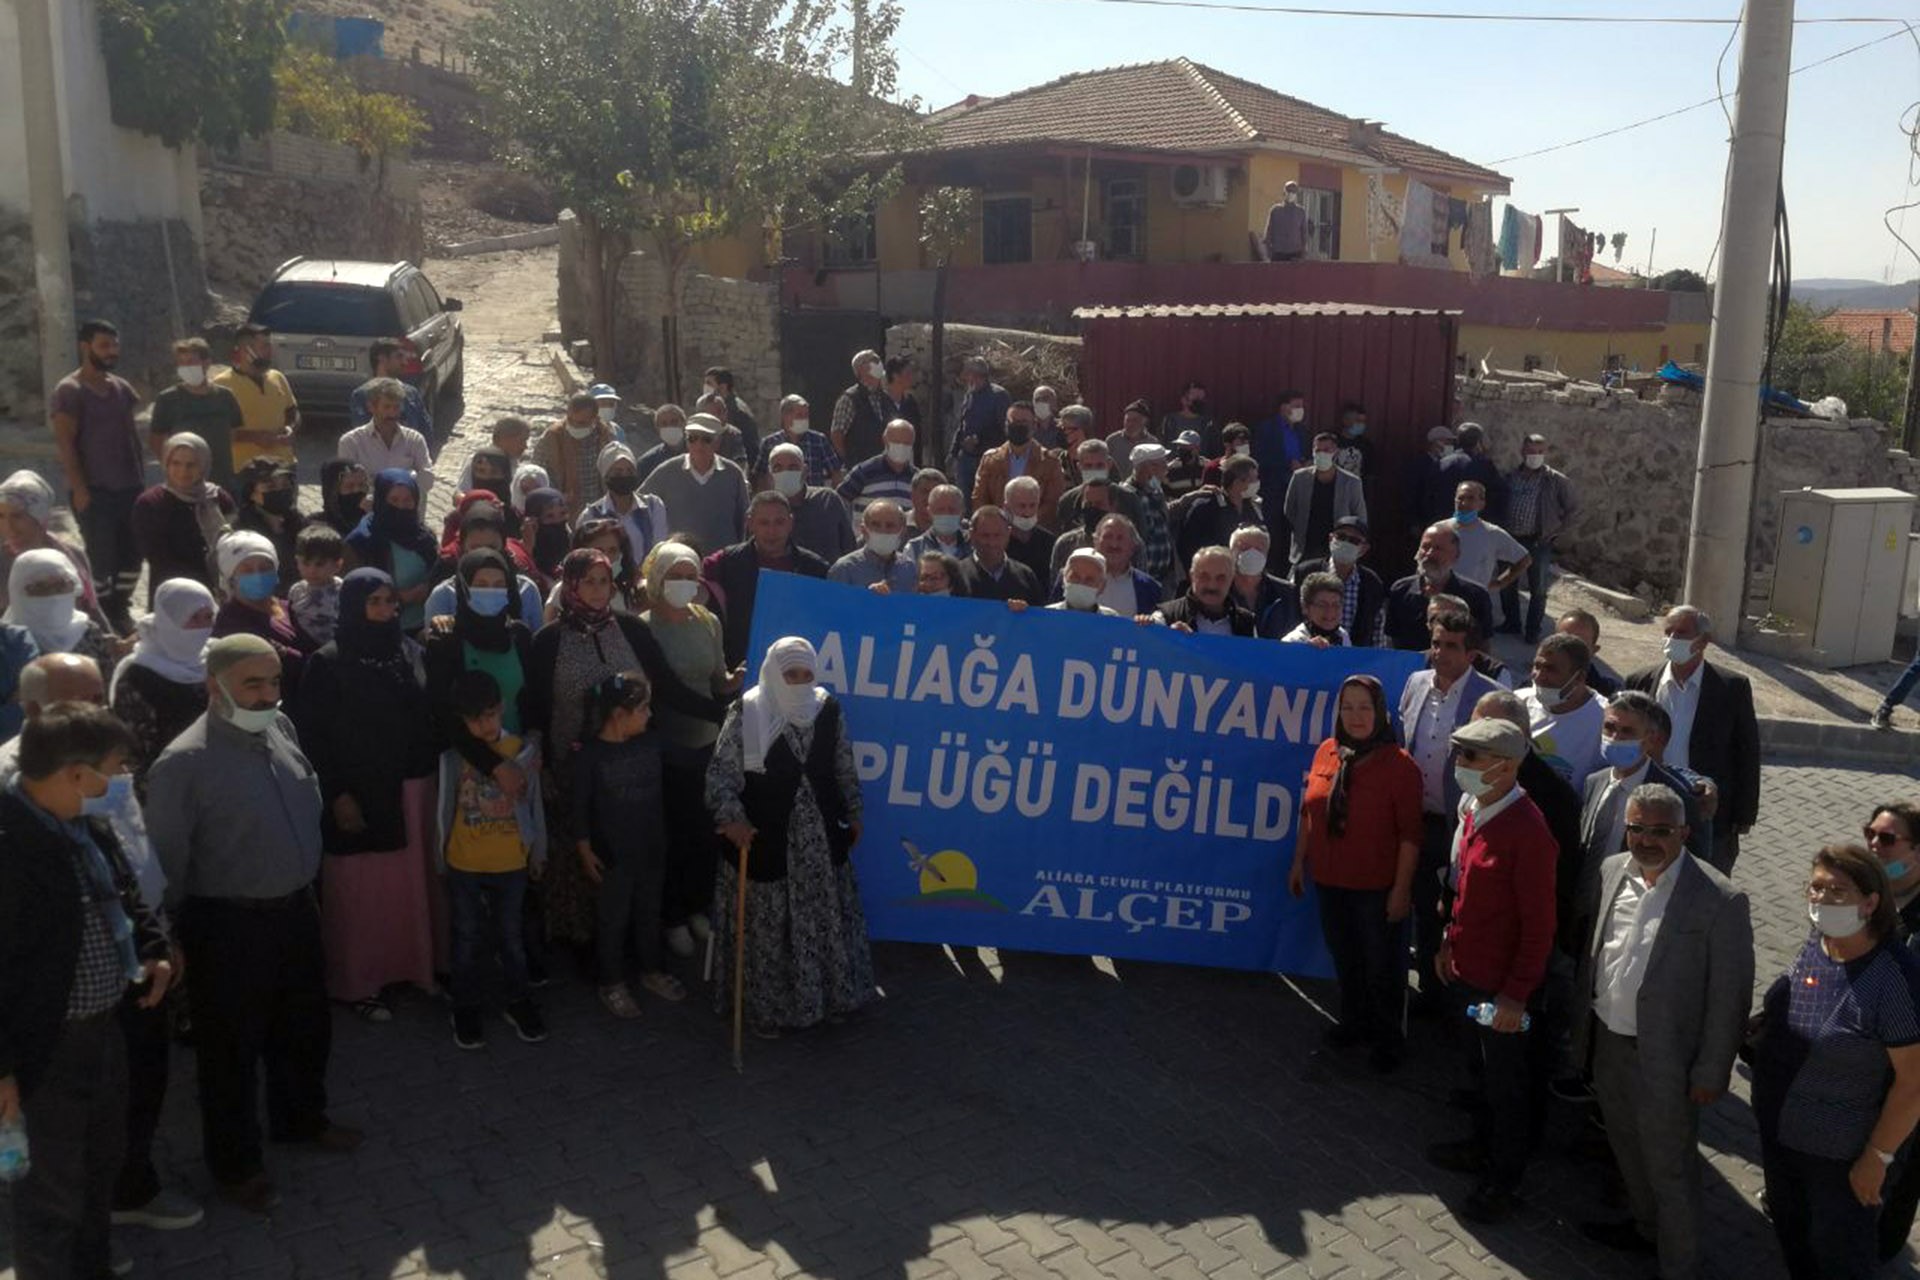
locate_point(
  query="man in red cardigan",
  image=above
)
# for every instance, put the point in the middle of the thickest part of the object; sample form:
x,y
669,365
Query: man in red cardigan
x,y
1495,953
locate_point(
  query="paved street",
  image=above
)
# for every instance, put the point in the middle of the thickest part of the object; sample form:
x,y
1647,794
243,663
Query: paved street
x,y
1010,1115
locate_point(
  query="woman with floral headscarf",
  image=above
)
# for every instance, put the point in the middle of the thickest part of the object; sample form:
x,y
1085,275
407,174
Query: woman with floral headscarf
x,y
43,597
586,643
392,538
782,783
366,726
1359,841
161,688
26,517
178,522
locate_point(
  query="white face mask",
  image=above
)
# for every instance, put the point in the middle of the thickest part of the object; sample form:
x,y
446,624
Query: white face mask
x,y
876,370
672,436
1836,919
1535,461
680,592
1344,552
1679,651
1042,410
1472,781
191,375
1079,595
182,644
1025,524
798,427
1252,490
1242,451
1296,416
790,482
1251,562
1322,461
899,454
580,433
1550,696
248,719
1093,475
709,389
883,544
609,412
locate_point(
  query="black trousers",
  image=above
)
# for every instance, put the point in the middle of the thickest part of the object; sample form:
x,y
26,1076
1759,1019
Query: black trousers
x,y
149,1054
106,526
628,914
691,844
76,1119
1898,1201
259,998
1824,1232
1429,898
1369,960
1507,1068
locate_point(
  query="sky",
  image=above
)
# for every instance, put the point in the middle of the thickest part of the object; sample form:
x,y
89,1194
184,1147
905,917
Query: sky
x,y
1492,90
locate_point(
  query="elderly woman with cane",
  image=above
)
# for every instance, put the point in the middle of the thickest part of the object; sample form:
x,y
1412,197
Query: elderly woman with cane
x,y
782,787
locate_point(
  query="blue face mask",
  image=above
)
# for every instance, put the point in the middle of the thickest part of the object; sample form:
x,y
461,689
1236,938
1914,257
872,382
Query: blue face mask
x,y
256,586
119,789
488,602
1619,752
1896,870
1465,517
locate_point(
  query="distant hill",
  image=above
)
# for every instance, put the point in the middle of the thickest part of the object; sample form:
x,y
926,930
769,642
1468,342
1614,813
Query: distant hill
x,y
1855,293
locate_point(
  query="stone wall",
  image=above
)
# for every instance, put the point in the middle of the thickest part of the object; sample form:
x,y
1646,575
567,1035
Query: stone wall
x,y
19,321
148,278
274,198
1632,463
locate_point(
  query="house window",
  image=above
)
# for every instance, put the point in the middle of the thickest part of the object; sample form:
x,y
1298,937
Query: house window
x,y
1125,218
853,242
1006,229
1323,222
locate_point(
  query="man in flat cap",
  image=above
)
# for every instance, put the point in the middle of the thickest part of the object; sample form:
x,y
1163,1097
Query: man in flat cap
x,y
1493,957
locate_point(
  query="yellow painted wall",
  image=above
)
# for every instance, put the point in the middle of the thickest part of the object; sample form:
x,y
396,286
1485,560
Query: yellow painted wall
x,y
735,257
1581,355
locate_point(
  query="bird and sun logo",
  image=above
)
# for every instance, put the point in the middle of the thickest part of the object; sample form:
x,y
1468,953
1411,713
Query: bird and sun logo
x,y
948,879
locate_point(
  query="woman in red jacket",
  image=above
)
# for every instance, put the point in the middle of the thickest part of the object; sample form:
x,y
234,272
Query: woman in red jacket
x,y
1359,842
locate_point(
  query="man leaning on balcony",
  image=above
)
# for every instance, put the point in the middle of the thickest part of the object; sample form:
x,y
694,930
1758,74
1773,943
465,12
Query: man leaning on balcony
x,y
1286,237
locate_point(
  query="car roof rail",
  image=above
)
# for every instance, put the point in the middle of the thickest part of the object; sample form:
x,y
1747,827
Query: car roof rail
x,y
281,269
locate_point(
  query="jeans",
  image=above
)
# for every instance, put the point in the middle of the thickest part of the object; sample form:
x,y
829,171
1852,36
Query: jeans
x,y
629,909
1903,686
106,526
76,1119
1541,549
1368,959
259,1000
149,1048
486,922
1824,1232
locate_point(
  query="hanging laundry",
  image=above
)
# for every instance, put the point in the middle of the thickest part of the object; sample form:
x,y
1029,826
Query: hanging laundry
x,y
1532,242
1576,250
1416,229
1510,238
1383,216
1456,214
1483,258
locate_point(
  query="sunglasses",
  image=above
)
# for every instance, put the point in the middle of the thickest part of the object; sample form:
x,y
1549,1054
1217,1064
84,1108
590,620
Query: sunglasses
x,y
1658,830
1879,837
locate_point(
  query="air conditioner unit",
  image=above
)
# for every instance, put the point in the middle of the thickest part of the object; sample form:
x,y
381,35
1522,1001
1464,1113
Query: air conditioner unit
x,y
1200,184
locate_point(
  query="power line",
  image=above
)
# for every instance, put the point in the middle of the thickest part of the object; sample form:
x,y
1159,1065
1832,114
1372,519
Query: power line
x,y
1668,115
1602,19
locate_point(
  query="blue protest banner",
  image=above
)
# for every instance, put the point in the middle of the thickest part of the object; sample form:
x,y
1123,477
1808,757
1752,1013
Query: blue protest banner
x,y
1052,781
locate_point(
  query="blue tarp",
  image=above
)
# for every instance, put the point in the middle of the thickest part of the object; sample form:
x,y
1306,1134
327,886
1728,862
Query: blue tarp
x,y
1671,372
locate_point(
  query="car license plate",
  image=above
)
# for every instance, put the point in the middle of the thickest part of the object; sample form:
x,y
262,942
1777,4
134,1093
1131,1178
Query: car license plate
x,y
335,364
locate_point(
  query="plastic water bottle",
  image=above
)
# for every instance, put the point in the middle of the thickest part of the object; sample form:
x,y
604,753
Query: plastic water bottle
x,y
1483,1014
13,1152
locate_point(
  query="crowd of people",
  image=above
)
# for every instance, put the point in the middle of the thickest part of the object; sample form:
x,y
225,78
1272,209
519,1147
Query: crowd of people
x,y
344,754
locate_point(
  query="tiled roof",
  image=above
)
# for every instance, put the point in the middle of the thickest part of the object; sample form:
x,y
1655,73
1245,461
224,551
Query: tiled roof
x,y
1181,106
1214,310
1870,328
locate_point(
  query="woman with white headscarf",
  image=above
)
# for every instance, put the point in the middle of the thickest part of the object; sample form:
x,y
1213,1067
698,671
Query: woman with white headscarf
x,y
26,517
689,634
782,783
178,522
44,597
162,686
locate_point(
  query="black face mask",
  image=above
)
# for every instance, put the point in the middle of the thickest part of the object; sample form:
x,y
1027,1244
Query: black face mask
x,y
1197,405
1018,433
551,542
346,506
622,484
278,501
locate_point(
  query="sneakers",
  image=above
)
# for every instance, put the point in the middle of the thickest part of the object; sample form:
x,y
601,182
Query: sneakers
x,y
119,1263
680,941
374,1009
664,985
618,1001
167,1211
1882,718
469,1031
699,926
524,1017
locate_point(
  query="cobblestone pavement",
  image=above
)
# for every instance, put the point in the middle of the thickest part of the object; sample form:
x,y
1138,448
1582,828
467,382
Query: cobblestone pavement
x,y
1012,1115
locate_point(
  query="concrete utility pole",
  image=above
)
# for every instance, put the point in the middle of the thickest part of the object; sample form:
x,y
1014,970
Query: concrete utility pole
x,y
1910,435
1724,477
46,196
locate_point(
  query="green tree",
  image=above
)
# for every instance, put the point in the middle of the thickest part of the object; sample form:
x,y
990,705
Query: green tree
x,y
669,123
316,97
1681,280
193,70
946,220
1812,361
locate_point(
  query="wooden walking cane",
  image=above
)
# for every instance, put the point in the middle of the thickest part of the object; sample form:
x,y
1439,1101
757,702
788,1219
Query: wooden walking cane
x,y
740,958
